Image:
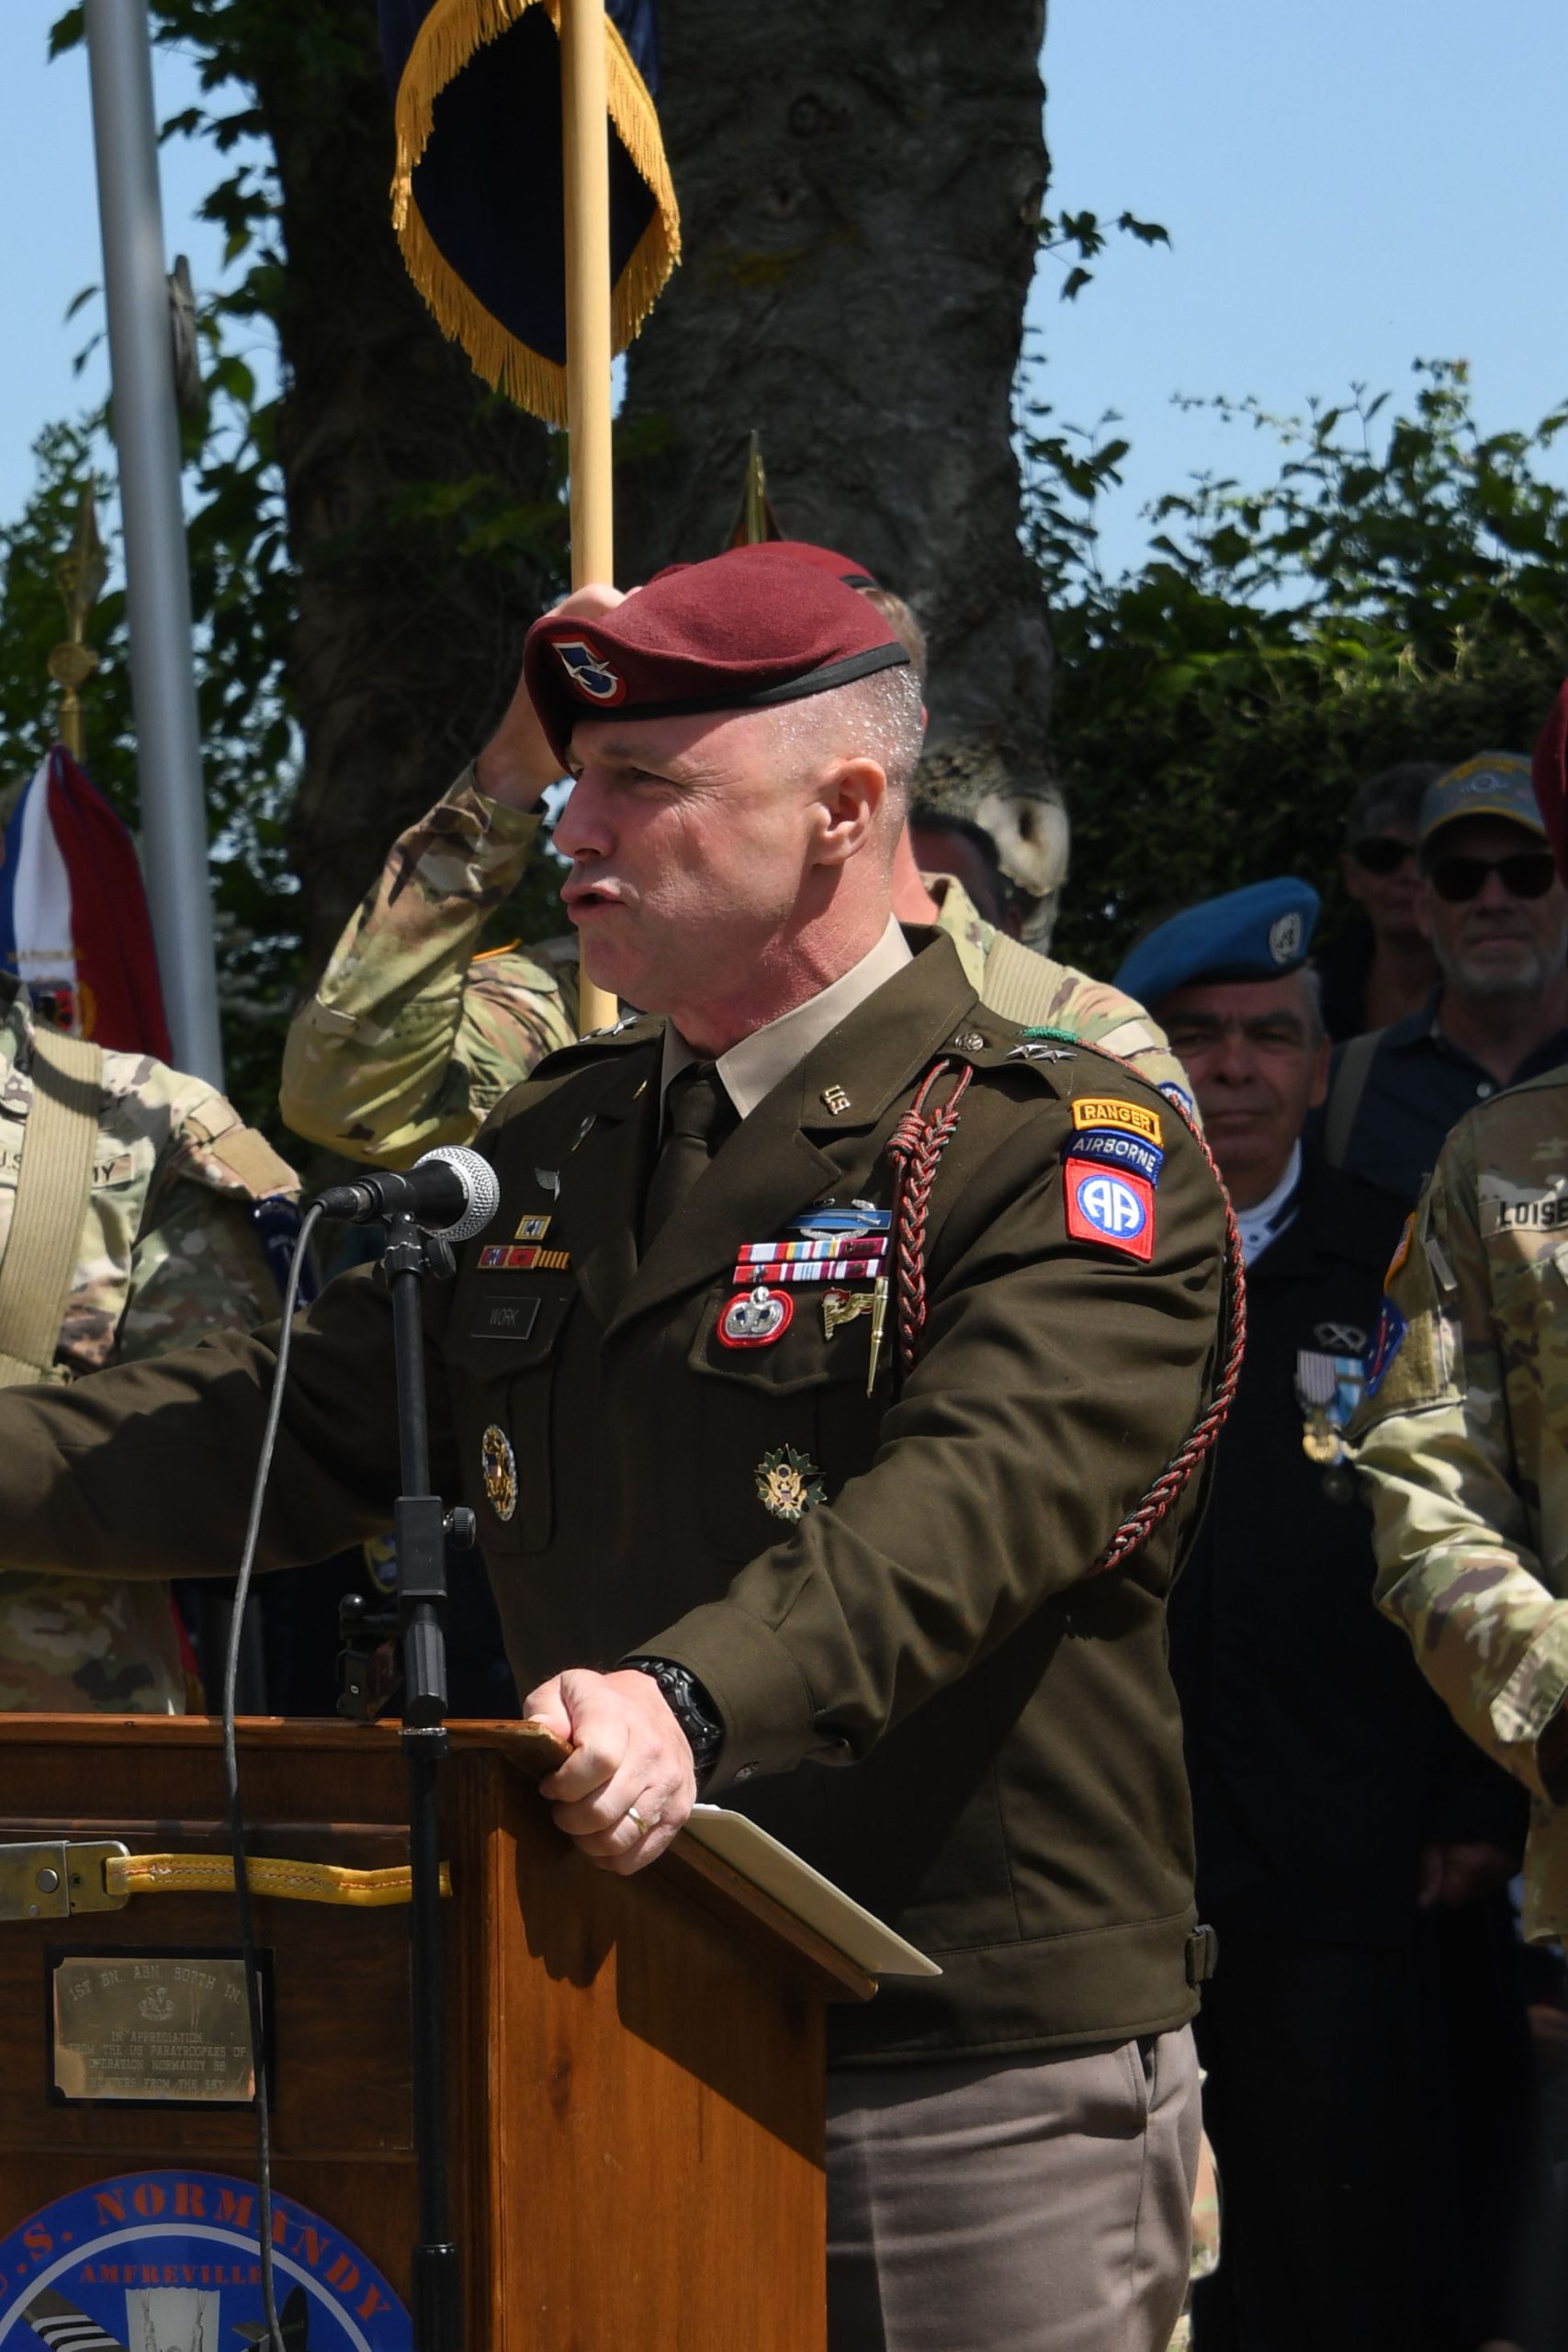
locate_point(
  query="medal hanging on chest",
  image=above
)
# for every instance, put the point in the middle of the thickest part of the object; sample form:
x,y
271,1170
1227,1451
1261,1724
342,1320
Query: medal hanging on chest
x,y
1328,1390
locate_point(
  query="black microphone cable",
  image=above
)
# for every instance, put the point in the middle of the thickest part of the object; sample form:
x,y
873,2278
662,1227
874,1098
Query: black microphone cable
x,y
272,2341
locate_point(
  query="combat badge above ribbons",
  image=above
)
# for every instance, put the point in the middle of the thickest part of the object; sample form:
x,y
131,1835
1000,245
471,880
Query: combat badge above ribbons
x,y
755,1316
1117,1210
499,1465
789,1484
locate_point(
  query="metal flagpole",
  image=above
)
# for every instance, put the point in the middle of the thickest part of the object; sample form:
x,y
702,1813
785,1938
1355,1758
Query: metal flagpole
x,y
174,814
585,141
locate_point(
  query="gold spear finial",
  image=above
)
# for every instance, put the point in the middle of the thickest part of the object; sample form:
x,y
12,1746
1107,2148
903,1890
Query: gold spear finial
x,y
79,575
756,520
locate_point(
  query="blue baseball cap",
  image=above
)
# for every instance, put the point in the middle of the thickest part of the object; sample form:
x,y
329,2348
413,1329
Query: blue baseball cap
x,y
1256,933
1494,783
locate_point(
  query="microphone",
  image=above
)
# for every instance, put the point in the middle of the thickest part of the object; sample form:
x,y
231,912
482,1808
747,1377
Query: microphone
x,y
452,1192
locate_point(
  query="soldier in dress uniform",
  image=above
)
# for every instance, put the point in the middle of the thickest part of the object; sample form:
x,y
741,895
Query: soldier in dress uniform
x,y
832,1389
412,1038
129,1196
1339,1821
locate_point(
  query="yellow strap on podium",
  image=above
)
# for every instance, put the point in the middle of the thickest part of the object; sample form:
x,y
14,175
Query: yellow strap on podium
x,y
127,1874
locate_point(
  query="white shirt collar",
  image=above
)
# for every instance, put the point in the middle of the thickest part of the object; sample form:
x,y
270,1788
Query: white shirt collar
x,y
1270,1217
751,1069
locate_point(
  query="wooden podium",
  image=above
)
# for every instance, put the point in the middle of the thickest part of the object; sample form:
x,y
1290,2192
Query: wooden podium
x,y
635,2066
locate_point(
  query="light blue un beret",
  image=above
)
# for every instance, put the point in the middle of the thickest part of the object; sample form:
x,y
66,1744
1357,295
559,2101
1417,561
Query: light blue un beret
x,y
1256,933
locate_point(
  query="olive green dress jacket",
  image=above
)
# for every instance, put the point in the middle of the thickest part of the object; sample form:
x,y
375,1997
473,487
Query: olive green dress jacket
x,y
922,1691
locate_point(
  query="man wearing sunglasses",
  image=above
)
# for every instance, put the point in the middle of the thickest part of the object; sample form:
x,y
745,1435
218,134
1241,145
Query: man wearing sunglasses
x,y
1381,967
1496,915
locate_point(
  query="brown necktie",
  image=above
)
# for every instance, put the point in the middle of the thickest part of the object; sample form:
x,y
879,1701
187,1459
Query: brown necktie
x,y
699,1115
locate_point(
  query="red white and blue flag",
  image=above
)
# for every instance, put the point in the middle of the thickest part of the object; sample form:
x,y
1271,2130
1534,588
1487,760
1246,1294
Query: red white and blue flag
x,y
74,921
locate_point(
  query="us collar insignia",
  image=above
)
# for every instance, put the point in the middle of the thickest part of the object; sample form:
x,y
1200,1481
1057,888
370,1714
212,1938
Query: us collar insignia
x,y
548,1180
499,1465
789,1484
753,1317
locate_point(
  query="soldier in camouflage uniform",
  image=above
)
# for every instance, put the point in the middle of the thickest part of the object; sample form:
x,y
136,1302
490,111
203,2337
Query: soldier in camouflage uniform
x,y
1464,1445
169,1252
411,1039
1464,1436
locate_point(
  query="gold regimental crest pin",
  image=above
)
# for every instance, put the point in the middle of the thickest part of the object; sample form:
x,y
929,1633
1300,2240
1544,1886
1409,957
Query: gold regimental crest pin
x,y
789,1484
499,1465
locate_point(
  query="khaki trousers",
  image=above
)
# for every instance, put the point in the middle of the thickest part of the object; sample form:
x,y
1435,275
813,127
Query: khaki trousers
x,y
1036,2204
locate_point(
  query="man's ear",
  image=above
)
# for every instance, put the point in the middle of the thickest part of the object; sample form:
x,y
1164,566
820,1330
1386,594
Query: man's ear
x,y
850,803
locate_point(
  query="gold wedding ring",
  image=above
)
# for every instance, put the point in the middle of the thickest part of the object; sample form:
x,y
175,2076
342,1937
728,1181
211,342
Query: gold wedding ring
x,y
638,1823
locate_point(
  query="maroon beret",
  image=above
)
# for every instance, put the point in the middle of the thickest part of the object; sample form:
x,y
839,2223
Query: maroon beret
x,y
742,631
842,566
1549,773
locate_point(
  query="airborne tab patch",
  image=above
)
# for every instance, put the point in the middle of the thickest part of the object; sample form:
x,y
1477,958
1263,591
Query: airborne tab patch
x,y
1110,1111
1117,1211
1120,1149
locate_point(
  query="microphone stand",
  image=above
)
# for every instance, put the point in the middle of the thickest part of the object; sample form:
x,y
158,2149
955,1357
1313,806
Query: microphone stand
x,y
420,1530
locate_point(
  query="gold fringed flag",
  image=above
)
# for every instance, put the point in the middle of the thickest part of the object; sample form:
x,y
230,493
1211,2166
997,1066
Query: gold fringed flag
x,y
476,188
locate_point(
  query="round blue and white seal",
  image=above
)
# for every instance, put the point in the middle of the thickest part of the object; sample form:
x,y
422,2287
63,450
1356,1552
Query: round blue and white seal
x,y
168,2262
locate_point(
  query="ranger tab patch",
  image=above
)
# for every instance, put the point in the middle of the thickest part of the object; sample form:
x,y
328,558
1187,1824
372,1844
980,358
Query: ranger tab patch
x,y
1117,1210
1111,1111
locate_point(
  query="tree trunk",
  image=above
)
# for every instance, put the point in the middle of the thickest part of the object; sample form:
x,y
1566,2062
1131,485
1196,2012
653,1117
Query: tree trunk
x,y
860,185
424,520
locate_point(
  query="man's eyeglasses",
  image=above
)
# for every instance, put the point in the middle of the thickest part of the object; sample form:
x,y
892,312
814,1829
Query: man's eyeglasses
x,y
1381,854
1527,874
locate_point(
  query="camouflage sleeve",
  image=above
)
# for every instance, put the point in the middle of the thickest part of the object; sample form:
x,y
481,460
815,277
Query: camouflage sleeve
x,y
1104,1017
408,1043
198,1264
1457,1565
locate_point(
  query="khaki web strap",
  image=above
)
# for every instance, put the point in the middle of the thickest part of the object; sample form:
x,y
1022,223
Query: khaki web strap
x,y
1345,1094
53,1189
299,1882
1017,982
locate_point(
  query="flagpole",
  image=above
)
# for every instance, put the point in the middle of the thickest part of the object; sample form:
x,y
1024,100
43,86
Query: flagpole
x,y
585,142
174,809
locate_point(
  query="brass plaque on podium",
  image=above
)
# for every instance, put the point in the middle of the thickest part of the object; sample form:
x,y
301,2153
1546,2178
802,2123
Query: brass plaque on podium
x,y
146,2028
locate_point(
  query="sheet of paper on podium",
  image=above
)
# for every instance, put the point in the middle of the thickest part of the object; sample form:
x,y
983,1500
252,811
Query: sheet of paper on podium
x,y
805,1894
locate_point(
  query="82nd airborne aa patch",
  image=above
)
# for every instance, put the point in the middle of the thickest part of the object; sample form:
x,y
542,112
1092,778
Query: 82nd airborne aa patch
x,y
1116,1210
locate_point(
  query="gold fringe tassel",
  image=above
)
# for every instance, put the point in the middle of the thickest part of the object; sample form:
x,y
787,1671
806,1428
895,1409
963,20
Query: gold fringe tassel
x,y
449,37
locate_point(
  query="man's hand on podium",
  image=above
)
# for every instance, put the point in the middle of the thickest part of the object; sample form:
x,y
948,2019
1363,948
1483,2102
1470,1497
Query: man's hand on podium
x,y
630,1784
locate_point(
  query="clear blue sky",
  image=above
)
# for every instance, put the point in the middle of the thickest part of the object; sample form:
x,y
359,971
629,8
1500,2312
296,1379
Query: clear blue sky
x,y
1348,185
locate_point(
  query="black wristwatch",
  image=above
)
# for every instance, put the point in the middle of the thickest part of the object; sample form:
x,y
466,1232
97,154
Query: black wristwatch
x,y
690,1705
